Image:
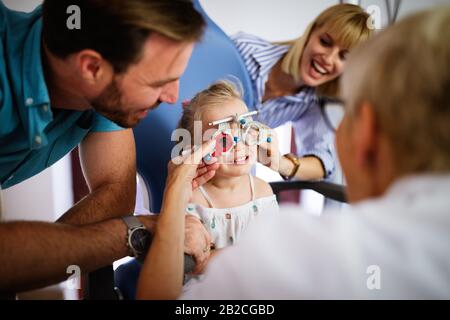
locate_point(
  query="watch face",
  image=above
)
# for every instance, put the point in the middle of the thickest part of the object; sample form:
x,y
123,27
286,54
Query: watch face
x,y
140,240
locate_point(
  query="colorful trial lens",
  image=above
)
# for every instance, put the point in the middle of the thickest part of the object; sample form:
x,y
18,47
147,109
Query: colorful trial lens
x,y
254,133
249,132
224,143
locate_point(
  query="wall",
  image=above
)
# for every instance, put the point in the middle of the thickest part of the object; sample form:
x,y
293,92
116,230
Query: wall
x,y
278,20
43,197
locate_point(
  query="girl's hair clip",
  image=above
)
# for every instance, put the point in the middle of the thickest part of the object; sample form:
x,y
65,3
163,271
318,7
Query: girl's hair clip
x,y
185,103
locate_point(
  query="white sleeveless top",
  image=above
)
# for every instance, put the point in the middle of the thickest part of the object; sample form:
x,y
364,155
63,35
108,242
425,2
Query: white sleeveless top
x,y
226,225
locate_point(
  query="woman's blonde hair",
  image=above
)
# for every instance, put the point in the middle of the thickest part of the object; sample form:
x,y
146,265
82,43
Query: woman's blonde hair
x,y
216,94
349,26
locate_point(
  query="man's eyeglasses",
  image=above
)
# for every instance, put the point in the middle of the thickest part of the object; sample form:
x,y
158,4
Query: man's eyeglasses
x,y
332,110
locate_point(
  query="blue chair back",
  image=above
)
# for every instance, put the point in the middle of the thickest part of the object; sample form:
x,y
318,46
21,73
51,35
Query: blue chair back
x,y
215,57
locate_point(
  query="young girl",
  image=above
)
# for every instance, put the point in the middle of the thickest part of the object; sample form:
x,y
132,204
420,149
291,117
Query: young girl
x,y
233,198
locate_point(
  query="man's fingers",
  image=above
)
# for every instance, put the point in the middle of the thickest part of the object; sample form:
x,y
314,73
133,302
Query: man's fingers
x,y
200,262
199,267
200,180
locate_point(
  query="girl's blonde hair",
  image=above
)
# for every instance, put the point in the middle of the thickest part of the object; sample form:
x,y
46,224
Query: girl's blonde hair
x,y
349,26
216,94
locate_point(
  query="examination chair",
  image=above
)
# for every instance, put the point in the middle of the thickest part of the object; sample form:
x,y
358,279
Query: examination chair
x,y
215,57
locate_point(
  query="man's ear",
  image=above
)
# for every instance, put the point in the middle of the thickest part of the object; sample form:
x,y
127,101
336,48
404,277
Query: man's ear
x,y
92,67
365,135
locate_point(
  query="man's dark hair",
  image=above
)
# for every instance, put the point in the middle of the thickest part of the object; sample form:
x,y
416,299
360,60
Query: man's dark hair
x,y
117,29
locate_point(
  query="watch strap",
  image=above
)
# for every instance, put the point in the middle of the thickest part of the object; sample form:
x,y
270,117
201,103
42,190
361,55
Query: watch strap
x,y
296,162
132,222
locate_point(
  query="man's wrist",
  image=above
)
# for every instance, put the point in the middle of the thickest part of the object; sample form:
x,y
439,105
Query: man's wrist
x,y
149,221
138,237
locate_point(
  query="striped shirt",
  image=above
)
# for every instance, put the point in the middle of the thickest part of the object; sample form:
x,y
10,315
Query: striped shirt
x,y
312,135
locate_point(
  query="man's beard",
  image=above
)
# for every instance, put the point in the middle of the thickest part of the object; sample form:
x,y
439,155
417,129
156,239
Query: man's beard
x,y
109,104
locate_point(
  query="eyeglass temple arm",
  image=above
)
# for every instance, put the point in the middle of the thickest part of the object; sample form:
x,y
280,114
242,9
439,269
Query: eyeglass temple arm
x,y
228,119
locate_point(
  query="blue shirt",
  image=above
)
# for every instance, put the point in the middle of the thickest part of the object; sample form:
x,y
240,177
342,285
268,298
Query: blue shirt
x,y
33,136
312,135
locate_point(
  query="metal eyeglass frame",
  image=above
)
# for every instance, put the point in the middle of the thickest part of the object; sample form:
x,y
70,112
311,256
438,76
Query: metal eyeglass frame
x,y
245,125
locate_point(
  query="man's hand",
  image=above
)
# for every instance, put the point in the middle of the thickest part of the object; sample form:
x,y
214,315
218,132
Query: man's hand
x,y
197,242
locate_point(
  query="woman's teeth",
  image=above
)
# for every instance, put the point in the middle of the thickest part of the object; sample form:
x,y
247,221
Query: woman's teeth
x,y
318,68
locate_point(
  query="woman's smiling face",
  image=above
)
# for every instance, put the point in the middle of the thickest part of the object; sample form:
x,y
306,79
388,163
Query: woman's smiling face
x,y
323,59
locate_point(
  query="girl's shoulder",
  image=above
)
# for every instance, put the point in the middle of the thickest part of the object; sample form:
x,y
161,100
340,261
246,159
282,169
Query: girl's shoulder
x,y
262,188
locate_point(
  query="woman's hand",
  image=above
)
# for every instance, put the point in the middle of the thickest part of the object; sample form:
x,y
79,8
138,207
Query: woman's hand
x,y
186,173
269,154
161,274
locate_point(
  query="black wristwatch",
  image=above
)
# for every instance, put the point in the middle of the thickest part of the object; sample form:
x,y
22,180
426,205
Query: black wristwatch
x,y
138,237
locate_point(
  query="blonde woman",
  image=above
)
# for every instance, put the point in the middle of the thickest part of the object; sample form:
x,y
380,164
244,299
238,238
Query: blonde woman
x,y
287,77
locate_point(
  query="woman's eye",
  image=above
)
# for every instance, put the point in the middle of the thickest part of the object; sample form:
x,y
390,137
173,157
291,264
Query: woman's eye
x,y
325,42
343,55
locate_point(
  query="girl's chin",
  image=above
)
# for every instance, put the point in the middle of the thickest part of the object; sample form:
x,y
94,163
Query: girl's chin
x,y
235,170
